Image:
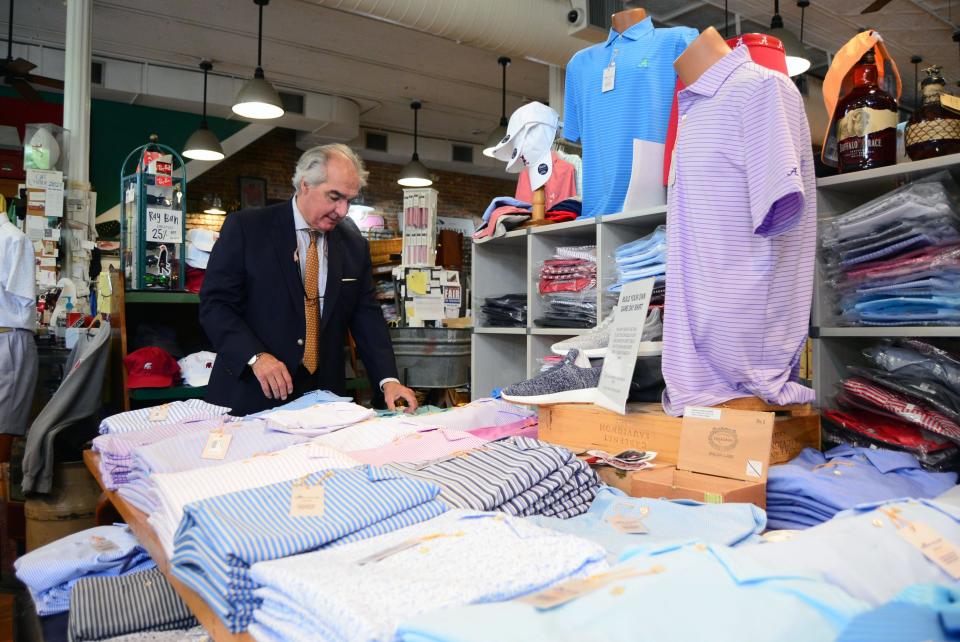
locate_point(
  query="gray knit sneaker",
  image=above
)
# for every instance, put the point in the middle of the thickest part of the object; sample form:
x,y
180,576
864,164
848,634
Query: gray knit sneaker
x,y
566,382
594,343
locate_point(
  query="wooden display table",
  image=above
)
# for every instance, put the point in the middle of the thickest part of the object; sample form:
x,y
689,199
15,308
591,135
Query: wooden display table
x,y
137,521
582,427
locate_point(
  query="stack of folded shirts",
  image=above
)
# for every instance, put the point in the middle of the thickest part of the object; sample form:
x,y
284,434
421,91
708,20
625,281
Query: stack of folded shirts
x,y
318,419
614,521
639,599
567,288
859,393
487,418
51,571
502,215
427,444
365,590
645,258
107,607
896,260
308,399
221,537
373,433
566,210
815,486
185,452
176,490
168,413
116,449
506,311
519,476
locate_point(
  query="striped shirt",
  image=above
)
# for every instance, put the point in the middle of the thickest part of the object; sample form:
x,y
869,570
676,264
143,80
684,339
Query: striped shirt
x,y
176,490
177,411
902,406
517,475
318,419
373,433
469,558
741,233
638,106
477,415
116,449
220,537
104,607
51,570
425,445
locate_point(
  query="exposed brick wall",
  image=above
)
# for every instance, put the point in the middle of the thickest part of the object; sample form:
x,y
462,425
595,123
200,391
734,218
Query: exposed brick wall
x,y
205,221
274,156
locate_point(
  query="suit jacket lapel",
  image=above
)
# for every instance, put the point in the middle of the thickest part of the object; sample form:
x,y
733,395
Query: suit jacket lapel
x,y
334,274
285,245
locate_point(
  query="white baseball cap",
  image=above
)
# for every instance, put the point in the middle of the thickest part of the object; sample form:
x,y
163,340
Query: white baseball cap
x,y
202,239
196,257
196,368
530,135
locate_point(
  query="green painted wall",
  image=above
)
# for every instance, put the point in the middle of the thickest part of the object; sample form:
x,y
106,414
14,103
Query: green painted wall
x,y
117,128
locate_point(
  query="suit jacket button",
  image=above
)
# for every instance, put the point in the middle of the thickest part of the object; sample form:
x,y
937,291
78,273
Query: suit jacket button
x,y
299,342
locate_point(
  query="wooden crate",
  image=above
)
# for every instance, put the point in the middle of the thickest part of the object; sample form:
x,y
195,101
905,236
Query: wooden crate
x,y
646,427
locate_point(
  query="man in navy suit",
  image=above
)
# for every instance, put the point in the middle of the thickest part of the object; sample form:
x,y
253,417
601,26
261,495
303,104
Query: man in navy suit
x,y
259,298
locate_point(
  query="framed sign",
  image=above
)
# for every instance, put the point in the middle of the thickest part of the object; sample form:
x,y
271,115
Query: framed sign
x,y
253,192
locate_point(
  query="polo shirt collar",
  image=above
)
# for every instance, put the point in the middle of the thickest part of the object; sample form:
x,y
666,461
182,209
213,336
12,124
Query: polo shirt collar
x,y
714,77
642,28
883,460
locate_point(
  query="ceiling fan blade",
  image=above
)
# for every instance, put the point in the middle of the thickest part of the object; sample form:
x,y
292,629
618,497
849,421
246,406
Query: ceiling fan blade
x,y
24,89
19,67
876,5
43,80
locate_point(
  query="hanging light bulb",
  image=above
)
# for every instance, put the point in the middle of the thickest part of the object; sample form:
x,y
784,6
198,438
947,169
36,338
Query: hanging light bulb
x,y
258,99
497,134
415,173
797,61
216,206
203,143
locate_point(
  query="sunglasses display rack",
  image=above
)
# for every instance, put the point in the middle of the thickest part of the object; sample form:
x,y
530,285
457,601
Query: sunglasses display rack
x,y
419,219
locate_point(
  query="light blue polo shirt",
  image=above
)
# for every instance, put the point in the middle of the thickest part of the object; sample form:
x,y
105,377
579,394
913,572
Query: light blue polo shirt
x,y
638,106
700,592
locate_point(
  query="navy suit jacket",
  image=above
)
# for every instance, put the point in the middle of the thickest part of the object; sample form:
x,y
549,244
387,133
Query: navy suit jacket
x,y
252,297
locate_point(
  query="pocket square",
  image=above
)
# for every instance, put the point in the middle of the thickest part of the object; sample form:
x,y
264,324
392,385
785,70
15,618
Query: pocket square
x,y
348,280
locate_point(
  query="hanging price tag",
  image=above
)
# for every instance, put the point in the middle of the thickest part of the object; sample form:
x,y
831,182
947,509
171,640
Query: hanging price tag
x,y
307,500
159,413
609,76
217,444
932,544
573,589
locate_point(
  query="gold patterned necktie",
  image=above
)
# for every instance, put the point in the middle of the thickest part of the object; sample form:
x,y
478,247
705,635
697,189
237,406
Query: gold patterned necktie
x,y
311,304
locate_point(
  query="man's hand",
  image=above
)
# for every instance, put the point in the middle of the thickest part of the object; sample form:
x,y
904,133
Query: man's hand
x,y
393,390
273,376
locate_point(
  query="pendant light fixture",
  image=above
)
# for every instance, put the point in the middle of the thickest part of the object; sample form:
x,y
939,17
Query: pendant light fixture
x,y
258,99
414,173
216,206
497,134
797,61
203,143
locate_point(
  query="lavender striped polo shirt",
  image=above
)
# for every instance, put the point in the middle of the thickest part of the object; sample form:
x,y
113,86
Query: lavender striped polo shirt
x,y
741,231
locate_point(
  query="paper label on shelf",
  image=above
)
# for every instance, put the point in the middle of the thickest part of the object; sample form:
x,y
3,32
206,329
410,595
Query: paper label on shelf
x,y
306,500
218,442
158,413
44,179
164,225
624,344
932,544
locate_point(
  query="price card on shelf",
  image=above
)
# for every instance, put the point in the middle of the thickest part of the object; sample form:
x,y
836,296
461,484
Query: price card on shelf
x,y
164,225
625,338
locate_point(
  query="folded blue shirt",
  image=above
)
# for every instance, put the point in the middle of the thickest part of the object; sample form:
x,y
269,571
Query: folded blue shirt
x,y
307,400
503,201
665,521
921,613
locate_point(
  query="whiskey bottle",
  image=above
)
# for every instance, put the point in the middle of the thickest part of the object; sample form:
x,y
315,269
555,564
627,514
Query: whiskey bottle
x,y
866,121
933,130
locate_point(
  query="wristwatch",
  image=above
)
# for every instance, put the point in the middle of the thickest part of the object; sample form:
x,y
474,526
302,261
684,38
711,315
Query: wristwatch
x,y
254,358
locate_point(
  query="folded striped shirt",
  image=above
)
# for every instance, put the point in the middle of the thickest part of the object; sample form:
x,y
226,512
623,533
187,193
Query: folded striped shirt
x,y
478,415
176,411
424,445
372,433
319,418
116,449
221,537
176,490
461,557
105,607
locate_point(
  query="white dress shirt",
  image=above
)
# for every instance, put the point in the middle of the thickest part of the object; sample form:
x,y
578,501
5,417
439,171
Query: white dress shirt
x,y
18,305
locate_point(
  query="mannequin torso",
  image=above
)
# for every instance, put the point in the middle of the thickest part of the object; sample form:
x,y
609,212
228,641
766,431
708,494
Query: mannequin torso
x,y
700,55
623,20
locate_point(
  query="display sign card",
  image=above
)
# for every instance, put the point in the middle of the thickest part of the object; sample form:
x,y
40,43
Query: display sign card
x,y
624,343
726,443
164,225
44,179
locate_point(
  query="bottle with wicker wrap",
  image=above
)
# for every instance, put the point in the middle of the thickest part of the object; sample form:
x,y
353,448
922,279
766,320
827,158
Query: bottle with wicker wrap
x,y
933,129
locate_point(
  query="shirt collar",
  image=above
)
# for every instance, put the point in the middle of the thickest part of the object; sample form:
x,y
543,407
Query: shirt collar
x,y
714,77
883,460
642,28
299,223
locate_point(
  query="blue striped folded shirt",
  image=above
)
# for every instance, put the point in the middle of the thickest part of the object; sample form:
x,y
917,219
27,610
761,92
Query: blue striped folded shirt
x,y
221,537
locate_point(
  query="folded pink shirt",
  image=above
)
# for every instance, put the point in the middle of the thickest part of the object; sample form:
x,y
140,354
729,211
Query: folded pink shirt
x,y
425,445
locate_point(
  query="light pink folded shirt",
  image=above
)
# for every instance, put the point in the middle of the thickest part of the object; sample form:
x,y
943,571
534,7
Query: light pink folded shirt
x,y
426,445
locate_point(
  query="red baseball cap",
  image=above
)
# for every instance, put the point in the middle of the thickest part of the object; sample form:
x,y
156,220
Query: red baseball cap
x,y
151,367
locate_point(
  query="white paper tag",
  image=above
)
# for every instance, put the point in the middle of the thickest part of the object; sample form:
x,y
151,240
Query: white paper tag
x,y
307,500
628,524
217,444
158,413
697,412
102,544
754,468
938,550
609,75
573,589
